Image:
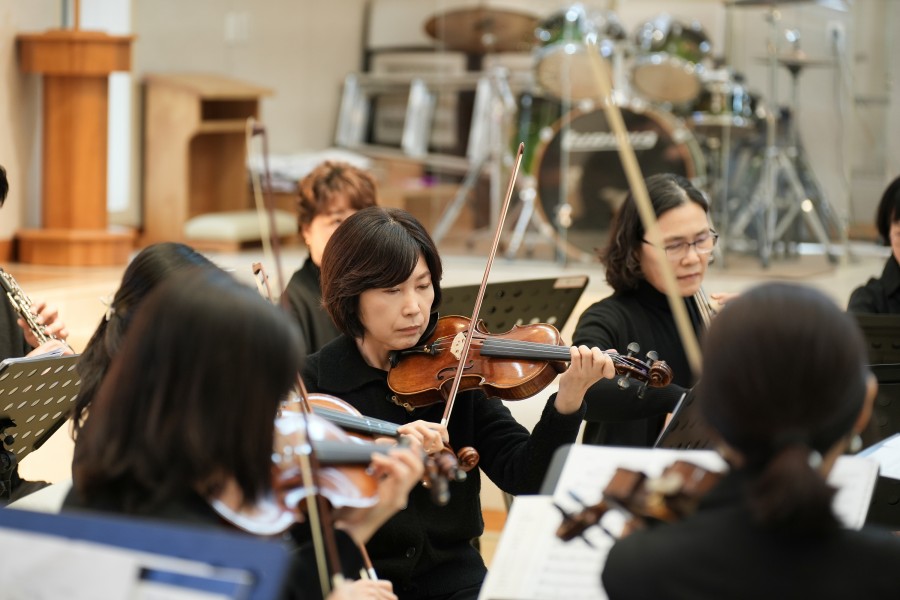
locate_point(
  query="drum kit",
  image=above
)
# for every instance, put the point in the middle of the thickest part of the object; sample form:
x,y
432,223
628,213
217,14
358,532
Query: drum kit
x,y
684,114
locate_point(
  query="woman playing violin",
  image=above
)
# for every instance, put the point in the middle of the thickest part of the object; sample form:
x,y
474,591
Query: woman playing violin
x,y
638,310
185,417
786,388
381,276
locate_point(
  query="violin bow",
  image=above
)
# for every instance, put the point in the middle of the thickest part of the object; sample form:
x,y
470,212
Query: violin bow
x,y
320,522
464,352
645,208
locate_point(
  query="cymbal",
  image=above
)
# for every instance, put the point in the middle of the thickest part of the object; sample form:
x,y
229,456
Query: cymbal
x,y
797,60
840,5
480,30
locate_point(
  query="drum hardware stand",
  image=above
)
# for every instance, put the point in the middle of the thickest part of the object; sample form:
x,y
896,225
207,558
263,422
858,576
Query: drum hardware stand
x,y
779,162
494,104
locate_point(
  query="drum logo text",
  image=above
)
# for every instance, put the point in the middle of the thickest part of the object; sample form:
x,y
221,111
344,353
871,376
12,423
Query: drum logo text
x,y
581,141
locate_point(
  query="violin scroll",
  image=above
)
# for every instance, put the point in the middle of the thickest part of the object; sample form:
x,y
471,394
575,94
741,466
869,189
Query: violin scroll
x,y
652,372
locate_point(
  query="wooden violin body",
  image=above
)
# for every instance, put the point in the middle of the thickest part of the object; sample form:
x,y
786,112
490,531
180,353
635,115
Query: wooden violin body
x,y
513,365
425,373
670,497
440,467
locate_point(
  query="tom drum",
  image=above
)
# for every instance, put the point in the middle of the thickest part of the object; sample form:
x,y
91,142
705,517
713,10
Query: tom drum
x,y
669,60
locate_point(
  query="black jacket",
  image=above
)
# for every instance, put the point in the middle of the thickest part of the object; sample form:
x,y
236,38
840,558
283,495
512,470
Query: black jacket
x,y
426,550
881,295
302,299
616,417
719,552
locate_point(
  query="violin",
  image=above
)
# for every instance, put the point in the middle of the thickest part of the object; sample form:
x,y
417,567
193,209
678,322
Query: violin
x,y
440,467
342,478
513,365
670,497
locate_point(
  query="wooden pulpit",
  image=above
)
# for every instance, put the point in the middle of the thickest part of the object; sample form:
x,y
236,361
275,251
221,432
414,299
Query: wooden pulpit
x,y
76,66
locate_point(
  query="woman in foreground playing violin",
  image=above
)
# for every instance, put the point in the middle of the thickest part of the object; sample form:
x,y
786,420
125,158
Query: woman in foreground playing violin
x,y
185,417
638,310
786,388
381,276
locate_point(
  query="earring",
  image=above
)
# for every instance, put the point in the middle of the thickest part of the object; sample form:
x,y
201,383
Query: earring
x,y
856,444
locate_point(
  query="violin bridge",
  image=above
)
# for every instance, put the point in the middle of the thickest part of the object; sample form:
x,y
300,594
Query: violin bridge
x,y
458,344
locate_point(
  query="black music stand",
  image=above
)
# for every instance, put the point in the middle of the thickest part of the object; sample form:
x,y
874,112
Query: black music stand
x,y
687,429
512,303
36,397
882,333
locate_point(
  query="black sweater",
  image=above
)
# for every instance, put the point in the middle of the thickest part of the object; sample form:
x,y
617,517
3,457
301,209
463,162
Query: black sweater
x,y
426,550
720,552
618,417
302,299
879,295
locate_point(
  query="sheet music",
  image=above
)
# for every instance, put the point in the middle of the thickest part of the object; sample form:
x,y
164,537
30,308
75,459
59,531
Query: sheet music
x,y
531,563
887,454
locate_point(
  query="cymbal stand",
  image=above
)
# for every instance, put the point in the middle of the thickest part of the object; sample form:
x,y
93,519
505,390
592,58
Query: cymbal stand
x,y
494,105
778,165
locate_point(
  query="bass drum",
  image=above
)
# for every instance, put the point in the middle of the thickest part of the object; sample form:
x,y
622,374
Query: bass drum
x,y
580,179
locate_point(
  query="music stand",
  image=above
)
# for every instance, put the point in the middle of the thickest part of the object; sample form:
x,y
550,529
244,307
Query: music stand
x,y
36,397
512,303
687,429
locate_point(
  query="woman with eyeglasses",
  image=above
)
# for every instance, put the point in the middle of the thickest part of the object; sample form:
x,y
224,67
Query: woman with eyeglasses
x,y
638,310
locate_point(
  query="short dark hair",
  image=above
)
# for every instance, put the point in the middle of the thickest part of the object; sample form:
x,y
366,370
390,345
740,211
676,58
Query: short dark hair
x,y
191,399
374,248
622,254
888,210
784,374
150,266
4,185
330,179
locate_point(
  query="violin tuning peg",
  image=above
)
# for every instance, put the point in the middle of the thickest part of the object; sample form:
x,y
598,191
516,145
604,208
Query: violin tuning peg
x,y
641,390
623,382
566,516
633,348
652,357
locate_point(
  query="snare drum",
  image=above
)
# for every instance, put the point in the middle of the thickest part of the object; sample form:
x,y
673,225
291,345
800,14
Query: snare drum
x,y
668,63
563,65
580,179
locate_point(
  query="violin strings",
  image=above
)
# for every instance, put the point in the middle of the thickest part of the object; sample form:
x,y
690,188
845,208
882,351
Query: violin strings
x,y
534,349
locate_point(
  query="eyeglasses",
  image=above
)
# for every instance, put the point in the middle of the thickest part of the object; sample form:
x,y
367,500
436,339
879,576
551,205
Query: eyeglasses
x,y
703,245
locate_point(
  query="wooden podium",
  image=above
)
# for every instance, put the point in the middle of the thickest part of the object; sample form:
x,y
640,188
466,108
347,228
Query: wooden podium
x,y
76,67
195,155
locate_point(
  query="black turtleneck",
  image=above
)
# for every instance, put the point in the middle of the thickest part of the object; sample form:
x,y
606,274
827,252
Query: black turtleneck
x,y
302,299
618,417
880,295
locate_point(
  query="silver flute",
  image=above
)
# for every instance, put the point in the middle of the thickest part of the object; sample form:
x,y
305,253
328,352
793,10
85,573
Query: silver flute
x,y
22,304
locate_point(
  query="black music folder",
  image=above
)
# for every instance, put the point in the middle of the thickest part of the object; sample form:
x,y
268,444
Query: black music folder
x,y
686,430
82,556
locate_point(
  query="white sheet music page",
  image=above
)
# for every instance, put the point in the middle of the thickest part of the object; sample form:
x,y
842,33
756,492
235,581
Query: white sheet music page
x,y
855,478
887,453
531,563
